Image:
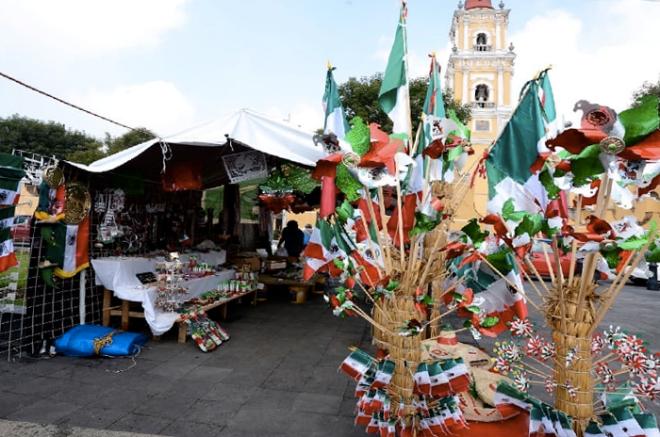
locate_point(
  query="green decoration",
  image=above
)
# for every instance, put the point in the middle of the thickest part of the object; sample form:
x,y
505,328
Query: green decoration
x,y
509,212
502,260
531,224
641,121
475,233
423,224
345,211
347,184
288,178
359,136
548,182
489,322
586,165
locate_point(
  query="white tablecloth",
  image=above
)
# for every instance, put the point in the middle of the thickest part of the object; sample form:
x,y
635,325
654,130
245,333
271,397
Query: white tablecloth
x,y
118,274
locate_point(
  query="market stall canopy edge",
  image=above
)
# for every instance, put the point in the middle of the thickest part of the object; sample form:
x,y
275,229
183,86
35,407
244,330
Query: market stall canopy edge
x,y
244,128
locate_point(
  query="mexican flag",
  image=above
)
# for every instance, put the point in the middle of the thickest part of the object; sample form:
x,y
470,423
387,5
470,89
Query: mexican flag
x,y
627,423
9,191
7,216
422,380
68,247
648,423
512,156
432,112
335,119
394,96
357,364
509,401
11,173
321,249
7,255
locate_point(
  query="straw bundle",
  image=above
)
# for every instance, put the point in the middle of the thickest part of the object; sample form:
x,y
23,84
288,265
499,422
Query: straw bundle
x,y
571,325
406,354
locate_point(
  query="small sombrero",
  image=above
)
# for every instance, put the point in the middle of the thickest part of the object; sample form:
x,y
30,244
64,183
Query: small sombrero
x,y
447,346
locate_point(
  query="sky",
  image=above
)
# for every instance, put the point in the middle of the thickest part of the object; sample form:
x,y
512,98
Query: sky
x,y
172,64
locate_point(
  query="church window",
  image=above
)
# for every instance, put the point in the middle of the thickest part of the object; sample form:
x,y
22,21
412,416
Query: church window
x,y
482,125
482,43
481,93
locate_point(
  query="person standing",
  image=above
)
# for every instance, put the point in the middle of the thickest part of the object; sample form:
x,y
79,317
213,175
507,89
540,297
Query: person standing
x,y
293,240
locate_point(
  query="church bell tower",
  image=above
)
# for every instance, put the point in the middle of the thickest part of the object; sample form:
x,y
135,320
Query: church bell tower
x,y
479,72
480,66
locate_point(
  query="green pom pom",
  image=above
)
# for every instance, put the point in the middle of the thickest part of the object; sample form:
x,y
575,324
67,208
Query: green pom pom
x,y
347,184
359,136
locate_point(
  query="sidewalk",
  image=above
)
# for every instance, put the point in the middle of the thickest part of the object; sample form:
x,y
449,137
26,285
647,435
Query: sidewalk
x,y
277,376
24,429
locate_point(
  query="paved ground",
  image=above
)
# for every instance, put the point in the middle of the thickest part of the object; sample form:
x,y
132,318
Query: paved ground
x,y
27,429
277,376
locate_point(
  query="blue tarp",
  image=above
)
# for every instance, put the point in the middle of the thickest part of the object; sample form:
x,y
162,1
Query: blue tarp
x,y
80,341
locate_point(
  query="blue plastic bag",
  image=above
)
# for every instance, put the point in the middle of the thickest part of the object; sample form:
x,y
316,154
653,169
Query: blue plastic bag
x,y
82,340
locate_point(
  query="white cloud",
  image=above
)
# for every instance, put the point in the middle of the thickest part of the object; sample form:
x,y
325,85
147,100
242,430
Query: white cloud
x,y
156,105
85,27
603,57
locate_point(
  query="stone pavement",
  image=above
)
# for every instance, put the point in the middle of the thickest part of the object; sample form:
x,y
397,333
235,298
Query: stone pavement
x,y
277,376
26,429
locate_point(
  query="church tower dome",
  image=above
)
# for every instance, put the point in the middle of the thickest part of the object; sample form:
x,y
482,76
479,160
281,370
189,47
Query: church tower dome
x,y
476,4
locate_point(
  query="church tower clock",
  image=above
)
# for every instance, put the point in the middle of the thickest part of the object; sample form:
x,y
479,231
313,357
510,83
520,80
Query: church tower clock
x,y
479,72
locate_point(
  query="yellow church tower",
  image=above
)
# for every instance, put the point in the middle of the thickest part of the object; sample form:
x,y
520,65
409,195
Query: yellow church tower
x,y
479,72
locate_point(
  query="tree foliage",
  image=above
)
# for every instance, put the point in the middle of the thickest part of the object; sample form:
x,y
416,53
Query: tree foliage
x,y
647,88
360,98
45,138
54,139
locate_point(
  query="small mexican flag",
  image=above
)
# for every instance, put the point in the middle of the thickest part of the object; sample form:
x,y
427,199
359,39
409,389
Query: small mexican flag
x,y
357,364
335,118
7,216
321,249
68,247
433,112
11,173
422,380
648,423
7,255
511,158
627,423
509,401
9,191
394,96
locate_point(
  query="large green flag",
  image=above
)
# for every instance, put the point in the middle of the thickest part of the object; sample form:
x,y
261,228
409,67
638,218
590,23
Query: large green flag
x,y
335,119
394,96
510,160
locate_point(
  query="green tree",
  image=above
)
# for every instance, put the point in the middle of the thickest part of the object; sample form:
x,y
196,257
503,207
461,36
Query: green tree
x,y
360,98
129,139
648,88
45,138
88,155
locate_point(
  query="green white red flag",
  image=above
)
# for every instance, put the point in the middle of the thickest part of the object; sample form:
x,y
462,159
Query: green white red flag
x,y
394,95
335,118
510,161
69,248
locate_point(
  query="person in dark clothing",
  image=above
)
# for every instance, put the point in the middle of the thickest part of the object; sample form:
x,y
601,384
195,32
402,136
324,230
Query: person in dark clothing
x,y
293,239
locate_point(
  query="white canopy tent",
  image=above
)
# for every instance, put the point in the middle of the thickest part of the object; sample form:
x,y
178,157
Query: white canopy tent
x,y
244,127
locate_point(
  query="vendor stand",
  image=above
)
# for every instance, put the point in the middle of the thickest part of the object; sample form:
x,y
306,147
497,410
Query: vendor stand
x,y
146,206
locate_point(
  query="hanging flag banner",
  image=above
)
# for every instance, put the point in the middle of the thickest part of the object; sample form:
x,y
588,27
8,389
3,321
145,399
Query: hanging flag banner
x,y
245,166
